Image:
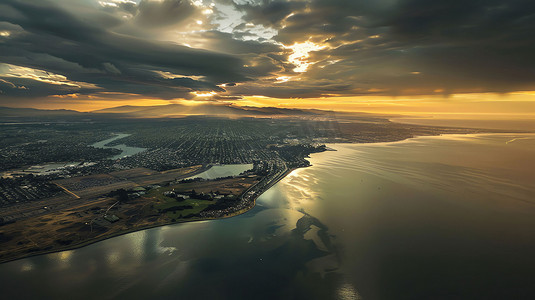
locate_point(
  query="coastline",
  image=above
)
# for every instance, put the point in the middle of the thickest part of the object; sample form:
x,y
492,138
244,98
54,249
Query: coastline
x,y
525,124
141,228
233,214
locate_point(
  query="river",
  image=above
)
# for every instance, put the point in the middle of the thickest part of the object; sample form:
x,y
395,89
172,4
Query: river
x,y
449,217
126,150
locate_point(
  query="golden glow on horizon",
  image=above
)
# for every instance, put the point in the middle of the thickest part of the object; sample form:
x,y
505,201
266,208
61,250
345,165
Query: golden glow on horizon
x,y
83,104
484,105
517,105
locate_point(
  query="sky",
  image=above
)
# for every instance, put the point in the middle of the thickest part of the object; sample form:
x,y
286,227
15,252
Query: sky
x,y
402,56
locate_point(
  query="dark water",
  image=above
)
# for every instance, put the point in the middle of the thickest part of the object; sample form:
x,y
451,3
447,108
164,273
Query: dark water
x,y
430,218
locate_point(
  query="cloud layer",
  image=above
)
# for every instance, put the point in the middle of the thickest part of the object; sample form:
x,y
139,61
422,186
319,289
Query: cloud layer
x,y
175,49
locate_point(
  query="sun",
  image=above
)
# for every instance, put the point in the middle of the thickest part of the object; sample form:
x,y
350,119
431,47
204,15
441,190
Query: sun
x,y
300,55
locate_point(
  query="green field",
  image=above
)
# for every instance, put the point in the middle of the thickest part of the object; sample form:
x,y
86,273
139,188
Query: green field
x,y
164,202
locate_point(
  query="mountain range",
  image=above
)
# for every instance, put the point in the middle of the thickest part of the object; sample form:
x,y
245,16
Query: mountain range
x,y
173,111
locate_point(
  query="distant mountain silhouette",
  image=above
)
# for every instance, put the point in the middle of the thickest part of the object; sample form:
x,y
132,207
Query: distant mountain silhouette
x,y
208,109
33,112
178,110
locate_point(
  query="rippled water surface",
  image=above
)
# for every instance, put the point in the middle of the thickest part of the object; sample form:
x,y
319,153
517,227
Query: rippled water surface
x,y
449,217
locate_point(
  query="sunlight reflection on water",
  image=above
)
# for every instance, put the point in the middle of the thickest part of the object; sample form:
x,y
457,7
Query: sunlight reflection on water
x,y
418,217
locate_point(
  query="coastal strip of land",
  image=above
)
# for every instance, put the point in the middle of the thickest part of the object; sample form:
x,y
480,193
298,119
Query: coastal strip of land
x,y
99,206
94,208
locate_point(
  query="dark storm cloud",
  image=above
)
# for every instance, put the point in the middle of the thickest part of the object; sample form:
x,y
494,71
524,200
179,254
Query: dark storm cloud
x,y
164,13
311,89
412,46
270,13
54,40
225,42
24,87
380,47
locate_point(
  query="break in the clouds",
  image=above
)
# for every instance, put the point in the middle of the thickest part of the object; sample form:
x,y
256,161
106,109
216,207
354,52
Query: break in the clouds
x,y
177,49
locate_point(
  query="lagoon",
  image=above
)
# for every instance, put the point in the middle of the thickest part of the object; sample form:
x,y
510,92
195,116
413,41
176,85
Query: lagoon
x,y
219,171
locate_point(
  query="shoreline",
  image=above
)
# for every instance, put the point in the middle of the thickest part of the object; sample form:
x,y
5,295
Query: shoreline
x,y
518,125
234,214
124,232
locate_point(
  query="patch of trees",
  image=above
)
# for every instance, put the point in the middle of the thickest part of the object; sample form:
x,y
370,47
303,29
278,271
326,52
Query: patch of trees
x,y
121,195
222,204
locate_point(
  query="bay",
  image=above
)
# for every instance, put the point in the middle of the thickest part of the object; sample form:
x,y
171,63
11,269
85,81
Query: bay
x,y
448,217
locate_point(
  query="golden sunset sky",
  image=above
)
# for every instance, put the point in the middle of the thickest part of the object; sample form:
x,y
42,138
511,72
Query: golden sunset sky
x,y
447,59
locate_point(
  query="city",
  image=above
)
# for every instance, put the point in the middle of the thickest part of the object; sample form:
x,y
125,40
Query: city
x,y
58,167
